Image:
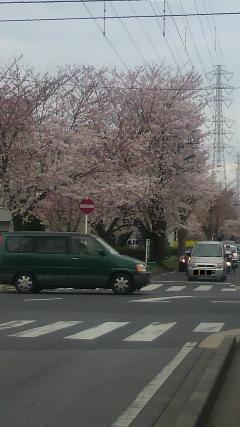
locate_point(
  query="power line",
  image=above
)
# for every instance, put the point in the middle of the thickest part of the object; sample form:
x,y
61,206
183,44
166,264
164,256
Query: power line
x,y
216,34
191,34
85,18
179,34
212,33
204,35
106,38
59,1
168,35
129,35
169,48
145,31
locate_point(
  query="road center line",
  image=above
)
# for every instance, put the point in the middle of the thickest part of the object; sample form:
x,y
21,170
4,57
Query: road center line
x,y
137,405
226,302
41,299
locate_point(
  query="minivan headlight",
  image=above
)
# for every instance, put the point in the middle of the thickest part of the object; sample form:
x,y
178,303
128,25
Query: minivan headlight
x,y
141,267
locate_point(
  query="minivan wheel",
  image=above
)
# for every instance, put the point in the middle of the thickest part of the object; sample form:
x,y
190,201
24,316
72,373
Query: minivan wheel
x,y
25,283
122,284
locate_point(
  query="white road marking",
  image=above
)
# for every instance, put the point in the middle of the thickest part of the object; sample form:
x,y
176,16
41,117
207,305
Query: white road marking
x,y
195,282
204,288
172,281
41,299
97,331
161,299
15,324
226,302
141,400
229,289
42,330
165,274
152,287
175,288
150,332
208,327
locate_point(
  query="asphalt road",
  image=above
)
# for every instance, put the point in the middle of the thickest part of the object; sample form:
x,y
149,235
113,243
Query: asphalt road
x,y
93,359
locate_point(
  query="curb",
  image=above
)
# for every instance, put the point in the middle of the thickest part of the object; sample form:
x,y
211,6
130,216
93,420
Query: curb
x,y
197,411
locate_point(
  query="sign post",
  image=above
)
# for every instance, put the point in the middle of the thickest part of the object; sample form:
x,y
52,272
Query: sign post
x,y
147,250
86,207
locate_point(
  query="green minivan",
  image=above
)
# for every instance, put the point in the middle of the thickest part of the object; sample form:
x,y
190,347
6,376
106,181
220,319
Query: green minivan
x,y
32,261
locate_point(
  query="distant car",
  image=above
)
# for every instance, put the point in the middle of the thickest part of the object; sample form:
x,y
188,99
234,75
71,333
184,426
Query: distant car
x,y
207,262
183,260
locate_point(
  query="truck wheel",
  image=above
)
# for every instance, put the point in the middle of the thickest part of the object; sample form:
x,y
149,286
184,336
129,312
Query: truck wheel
x,y
122,284
25,283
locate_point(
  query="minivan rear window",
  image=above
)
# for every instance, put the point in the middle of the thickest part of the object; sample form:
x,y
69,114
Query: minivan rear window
x,y
207,250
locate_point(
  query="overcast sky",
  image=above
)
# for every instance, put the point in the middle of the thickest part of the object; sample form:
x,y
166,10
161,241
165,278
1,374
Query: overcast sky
x,y
46,45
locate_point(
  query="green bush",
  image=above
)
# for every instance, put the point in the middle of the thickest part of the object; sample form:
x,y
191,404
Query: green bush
x,y
138,252
171,251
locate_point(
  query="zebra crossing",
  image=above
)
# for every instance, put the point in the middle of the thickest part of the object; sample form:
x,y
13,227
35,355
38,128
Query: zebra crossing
x,y
149,333
166,287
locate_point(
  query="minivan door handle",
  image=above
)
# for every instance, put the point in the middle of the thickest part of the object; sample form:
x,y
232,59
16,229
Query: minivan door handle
x,y
76,258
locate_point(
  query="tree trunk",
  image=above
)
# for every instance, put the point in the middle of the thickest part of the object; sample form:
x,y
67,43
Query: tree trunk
x,y
182,236
158,247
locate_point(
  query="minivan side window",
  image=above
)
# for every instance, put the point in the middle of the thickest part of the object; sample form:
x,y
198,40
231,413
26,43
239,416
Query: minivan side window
x,y
19,244
50,245
85,246
37,244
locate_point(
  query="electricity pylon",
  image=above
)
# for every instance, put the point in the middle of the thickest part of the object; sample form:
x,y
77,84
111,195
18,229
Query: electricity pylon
x,y
221,130
237,189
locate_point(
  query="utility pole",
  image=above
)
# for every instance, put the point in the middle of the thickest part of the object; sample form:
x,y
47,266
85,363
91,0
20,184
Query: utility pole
x,y
221,124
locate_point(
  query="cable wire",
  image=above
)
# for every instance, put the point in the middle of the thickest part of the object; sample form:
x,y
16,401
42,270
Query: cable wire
x,y
204,35
212,32
58,1
214,23
179,34
129,35
193,40
82,18
106,38
170,35
169,48
145,32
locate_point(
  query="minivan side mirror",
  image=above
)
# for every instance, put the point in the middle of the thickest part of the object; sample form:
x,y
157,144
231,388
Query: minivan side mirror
x,y
102,252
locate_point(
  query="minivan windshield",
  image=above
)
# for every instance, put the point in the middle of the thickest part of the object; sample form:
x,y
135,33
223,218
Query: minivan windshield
x,y
107,246
207,250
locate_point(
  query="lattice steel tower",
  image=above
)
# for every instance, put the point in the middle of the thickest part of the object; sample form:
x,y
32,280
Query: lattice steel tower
x,y
221,124
237,189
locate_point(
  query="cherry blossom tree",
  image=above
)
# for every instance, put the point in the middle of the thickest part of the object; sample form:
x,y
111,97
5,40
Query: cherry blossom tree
x,y
216,215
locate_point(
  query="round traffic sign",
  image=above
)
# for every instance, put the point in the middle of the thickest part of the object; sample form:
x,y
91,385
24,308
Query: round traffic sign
x,y
87,206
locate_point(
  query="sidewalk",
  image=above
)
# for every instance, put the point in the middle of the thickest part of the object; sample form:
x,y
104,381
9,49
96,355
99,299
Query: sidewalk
x,y
226,412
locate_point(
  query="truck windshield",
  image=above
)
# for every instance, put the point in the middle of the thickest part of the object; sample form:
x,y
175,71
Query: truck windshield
x,y
206,250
